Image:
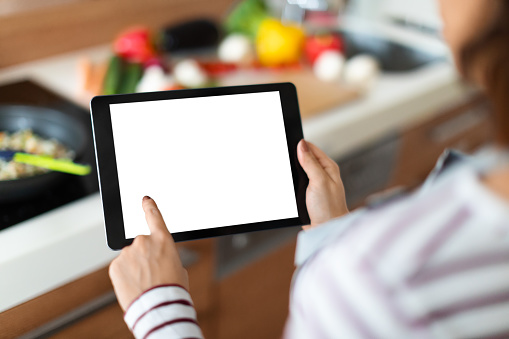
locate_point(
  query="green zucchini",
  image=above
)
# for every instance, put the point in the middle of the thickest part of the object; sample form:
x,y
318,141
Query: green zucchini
x,y
113,76
130,78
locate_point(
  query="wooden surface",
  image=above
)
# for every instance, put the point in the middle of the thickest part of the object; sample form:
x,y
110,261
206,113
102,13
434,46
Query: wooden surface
x,y
315,96
50,30
38,311
253,302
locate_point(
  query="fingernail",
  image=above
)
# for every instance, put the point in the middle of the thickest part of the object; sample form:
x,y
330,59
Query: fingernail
x,y
305,146
146,198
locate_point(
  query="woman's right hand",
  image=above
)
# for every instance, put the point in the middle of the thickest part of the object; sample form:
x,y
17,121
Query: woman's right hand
x,y
151,260
325,195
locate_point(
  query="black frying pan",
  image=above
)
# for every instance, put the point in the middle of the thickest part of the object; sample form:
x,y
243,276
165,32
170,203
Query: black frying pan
x,y
48,123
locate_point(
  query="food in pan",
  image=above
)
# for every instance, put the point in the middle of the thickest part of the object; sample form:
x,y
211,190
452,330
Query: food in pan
x,y
28,142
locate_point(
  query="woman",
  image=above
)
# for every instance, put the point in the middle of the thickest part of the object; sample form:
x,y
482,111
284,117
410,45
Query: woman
x,y
434,264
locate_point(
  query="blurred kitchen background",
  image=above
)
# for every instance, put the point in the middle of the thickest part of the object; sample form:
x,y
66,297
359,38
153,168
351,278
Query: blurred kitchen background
x,y
377,90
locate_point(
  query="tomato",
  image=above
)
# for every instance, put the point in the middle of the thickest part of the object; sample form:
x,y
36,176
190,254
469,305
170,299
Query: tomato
x,y
317,44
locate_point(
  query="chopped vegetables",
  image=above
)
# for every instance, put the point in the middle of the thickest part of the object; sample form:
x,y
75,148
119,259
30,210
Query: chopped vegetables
x,y
29,142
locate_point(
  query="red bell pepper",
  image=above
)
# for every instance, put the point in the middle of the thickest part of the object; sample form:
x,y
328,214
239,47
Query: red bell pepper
x,y
134,45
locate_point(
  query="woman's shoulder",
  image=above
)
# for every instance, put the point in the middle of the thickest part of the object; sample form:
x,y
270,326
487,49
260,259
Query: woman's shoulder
x,y
454,216
451,206
416,259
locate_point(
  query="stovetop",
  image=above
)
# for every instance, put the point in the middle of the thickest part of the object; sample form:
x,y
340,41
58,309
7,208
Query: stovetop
x,y
73,187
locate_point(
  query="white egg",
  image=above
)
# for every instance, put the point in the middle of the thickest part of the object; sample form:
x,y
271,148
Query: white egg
x,y
236,48
361,71
188,73
329,66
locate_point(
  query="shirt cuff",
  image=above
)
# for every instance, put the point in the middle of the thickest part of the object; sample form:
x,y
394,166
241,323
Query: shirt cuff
x,y
315,239
163,311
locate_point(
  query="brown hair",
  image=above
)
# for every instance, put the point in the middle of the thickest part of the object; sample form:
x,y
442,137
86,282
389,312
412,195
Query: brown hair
x,y
488,55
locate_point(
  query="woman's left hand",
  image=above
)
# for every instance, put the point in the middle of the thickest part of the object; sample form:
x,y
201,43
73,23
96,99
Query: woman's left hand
x,y
151,260
325,195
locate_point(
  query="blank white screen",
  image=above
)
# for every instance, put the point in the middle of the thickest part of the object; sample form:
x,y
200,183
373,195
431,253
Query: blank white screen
x,y
207,162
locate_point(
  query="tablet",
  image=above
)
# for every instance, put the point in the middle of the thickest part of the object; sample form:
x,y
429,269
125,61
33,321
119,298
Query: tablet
x,y
217,161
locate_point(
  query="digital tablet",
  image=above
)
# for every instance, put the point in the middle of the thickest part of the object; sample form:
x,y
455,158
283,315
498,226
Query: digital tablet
x,y
217,161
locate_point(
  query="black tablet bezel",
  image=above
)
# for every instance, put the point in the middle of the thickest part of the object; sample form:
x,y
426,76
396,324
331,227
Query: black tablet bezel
x,y
107,166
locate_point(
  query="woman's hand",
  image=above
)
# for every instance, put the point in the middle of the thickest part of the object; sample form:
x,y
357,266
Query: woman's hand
x,y
325,195
151,260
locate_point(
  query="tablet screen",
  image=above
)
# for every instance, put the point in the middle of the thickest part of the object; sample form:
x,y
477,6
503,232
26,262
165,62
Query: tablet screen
x,y
207,161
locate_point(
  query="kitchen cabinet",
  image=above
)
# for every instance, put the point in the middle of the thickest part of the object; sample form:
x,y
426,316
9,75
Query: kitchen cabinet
x,y
253,301
405,158
87,307
33,315
465,127
102,324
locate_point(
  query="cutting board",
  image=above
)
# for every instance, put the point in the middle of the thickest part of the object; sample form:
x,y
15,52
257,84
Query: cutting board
x,y
315,96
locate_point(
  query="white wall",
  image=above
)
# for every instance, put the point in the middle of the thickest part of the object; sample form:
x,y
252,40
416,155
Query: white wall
x,y
423,12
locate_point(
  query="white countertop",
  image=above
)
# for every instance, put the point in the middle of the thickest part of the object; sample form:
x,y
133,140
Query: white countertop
x,y
57,247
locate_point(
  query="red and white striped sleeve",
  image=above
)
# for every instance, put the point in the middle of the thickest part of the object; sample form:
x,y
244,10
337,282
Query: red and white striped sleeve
x,y
164,311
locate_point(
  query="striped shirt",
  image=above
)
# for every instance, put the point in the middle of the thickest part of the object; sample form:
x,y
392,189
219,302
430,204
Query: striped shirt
x,y
431,265
164,311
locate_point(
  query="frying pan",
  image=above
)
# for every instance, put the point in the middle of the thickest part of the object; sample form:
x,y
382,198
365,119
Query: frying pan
x,y
48,123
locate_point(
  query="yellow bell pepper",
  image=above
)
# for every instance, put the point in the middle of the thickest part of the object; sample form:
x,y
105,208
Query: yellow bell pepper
x,y
278,44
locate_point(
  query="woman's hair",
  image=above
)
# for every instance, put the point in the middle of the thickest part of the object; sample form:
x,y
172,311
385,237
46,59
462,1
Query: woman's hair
x,y
488,55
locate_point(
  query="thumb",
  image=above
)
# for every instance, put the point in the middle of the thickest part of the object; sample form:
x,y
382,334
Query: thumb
x,y
153,216
309,162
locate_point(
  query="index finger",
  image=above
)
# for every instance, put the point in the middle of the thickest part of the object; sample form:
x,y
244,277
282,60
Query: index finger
x,y
154,217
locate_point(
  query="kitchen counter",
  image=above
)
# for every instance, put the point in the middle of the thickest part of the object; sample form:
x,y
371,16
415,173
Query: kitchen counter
x,y
57,247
